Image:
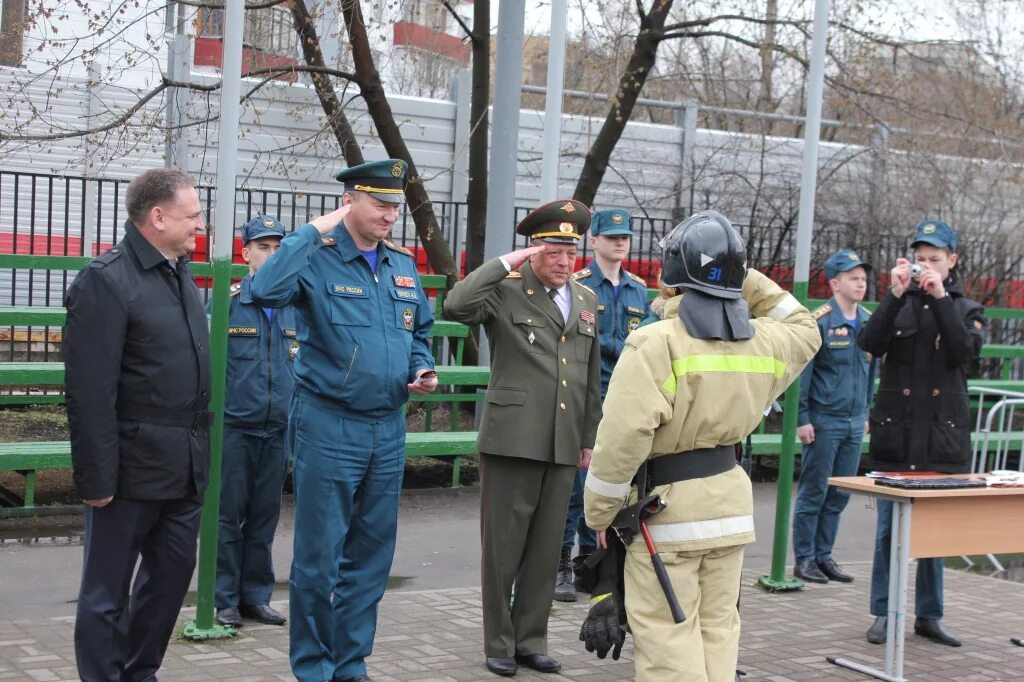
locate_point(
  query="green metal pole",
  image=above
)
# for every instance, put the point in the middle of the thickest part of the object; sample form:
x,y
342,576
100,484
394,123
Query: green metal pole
x,y
222,241
777,580
204,627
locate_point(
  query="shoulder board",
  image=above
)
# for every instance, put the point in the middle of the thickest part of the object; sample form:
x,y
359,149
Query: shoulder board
x,y
515,274
822,311
584,286
395,247
585,272
235,288
637,278
107,257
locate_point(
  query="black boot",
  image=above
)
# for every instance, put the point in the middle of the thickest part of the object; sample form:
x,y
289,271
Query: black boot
x,y
564,591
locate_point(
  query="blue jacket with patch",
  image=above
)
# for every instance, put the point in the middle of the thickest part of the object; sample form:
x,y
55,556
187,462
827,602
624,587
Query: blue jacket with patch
x,y
261,354
618,313
838,382
363,335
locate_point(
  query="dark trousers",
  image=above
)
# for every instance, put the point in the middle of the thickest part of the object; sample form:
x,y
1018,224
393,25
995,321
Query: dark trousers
x,y
928,589
250,505
121,641
522,516
575,523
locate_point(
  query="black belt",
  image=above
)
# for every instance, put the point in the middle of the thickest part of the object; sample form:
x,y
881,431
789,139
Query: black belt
x,y
683,466
164,415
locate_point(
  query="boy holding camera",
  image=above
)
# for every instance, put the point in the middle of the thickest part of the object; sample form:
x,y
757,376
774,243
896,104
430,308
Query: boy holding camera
x,y
931,336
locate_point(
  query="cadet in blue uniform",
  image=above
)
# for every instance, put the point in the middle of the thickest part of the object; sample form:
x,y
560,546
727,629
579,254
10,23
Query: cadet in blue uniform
x,y
363,326
262,344
834,396
621,307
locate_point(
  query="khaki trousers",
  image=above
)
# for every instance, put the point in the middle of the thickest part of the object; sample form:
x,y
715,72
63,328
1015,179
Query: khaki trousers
x,y
705,647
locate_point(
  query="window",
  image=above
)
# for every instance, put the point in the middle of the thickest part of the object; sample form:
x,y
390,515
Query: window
x,y
12,32
268,29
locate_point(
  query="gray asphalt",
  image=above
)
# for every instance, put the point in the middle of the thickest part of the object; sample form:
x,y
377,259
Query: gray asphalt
x,y
438,547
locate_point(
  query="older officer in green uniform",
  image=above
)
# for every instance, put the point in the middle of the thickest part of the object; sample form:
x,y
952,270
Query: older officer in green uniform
x,y
539,421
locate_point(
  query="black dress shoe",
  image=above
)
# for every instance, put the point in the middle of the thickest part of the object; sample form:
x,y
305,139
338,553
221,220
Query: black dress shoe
x,y
809,572
230,617
539,662
499,665
935,631
261,613
832,571
878,631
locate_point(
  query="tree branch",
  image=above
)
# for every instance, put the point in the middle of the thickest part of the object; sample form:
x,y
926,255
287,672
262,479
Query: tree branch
x,y
707,21
220,5
469,32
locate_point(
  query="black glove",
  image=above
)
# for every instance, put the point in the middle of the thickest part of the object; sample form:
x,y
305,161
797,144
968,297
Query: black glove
x,y
601,631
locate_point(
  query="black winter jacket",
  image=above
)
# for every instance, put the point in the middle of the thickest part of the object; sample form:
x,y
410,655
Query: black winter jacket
x,y
921,416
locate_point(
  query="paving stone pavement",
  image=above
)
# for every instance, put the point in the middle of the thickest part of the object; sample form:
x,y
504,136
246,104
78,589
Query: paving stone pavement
x,y
435,636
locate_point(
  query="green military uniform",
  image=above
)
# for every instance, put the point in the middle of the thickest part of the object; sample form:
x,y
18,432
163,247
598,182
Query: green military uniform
x,y
542,407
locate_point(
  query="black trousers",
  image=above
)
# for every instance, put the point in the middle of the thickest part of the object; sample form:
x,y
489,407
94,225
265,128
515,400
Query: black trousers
x,y
117,640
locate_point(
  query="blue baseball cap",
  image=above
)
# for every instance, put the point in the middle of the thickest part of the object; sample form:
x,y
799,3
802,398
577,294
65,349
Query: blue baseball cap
x,y
936,233
382,180
611,222
842,261
262,226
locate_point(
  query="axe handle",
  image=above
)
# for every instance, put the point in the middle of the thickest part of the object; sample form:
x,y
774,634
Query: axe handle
x,y
659,569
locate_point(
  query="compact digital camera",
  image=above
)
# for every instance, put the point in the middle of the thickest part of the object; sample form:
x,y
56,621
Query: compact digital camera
x,y
915,271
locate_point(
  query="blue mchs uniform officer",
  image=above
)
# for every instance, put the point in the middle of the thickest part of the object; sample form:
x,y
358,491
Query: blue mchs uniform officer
x,y
262,345
621,307
834,396
363,328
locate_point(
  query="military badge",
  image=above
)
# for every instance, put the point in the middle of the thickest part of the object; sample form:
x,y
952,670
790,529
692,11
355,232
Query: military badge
x,y
929,228
587,317
293,350
531,338
617,218
402,281
407,318
396,169
852,256
600,307
565,227
567,207
634,322
268,222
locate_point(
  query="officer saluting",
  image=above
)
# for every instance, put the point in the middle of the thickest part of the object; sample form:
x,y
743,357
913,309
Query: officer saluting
x,y
621,307
683,393
262,343
364,327
539,420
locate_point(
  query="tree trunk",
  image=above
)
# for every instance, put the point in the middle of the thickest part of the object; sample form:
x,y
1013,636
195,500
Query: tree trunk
x,y
322,83
476,209
641,61
765,98
439,254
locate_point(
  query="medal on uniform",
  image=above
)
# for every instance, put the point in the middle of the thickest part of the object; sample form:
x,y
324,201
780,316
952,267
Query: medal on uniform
x,y
293,350
407,318
402,281
634,322
587,316
531,338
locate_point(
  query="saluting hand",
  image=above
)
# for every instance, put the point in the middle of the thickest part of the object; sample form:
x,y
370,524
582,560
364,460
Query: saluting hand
x,y
517,258
328,222
899,277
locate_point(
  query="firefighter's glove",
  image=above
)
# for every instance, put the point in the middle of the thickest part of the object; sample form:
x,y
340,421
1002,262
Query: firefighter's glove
x,y
601,631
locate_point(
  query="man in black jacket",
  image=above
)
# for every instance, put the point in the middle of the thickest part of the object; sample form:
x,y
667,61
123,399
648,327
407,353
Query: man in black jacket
x,y
136,348
931,335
